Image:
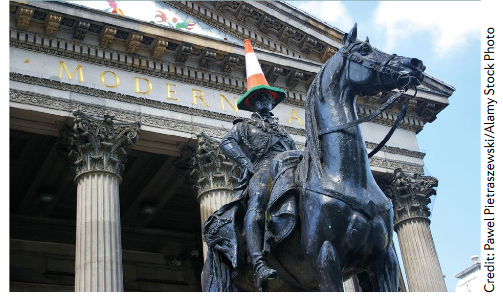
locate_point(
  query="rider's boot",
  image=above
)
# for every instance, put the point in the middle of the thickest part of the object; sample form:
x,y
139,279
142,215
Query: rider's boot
x,y
263,273
254,221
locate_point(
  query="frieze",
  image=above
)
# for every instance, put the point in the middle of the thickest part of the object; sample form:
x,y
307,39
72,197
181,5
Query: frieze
x,y
60,104
192,128
392,164
128,99
155,104
410,123
396,150
158,68
128,66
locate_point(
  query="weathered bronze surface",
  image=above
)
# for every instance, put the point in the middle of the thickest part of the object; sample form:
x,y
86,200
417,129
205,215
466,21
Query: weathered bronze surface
x,y
326,218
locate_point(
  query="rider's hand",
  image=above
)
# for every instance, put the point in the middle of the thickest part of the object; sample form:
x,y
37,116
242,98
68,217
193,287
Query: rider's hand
x,y
245,178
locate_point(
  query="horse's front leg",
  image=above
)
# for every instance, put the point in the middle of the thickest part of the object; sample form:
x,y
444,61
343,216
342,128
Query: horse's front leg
x,y
329,271
320,231
384,272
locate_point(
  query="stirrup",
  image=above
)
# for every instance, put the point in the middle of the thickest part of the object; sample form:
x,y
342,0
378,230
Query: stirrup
x,y
264,273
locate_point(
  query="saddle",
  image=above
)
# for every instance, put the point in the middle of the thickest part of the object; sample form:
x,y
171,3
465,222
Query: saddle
x,y
281,211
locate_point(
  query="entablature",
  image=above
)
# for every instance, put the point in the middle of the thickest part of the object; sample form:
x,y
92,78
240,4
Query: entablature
x,y
77,32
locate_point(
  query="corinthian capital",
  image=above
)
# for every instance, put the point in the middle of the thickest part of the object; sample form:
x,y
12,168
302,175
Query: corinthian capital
x,y
410,195
97,144
208,168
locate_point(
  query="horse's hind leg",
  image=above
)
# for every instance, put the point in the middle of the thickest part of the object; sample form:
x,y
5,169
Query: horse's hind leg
x,y
384,272
329,268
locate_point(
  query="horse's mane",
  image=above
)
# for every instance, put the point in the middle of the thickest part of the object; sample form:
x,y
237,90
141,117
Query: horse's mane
x,y
314,94
313,148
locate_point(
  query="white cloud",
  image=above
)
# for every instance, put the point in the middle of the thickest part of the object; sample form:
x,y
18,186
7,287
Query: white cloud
x,y
332,12
451,24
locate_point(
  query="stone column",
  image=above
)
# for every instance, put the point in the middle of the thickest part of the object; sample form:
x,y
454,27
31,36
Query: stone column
x,y
213,176
411,196
351,285
97,150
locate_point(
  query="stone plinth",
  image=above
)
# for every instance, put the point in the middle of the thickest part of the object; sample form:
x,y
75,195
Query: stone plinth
x,y
96,149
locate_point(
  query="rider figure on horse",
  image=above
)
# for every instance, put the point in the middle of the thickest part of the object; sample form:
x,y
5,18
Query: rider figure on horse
x,y
252,144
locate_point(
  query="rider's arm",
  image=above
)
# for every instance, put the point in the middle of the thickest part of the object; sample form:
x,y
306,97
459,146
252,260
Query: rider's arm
x,y
230,145
293,146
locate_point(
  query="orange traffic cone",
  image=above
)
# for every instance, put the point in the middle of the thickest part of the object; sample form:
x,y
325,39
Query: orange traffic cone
x,y
256,81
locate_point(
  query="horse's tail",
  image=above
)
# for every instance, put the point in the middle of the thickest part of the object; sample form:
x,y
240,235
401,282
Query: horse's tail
x,y
216,276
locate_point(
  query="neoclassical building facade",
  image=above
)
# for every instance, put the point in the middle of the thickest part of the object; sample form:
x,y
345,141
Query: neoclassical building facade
x,y
115,114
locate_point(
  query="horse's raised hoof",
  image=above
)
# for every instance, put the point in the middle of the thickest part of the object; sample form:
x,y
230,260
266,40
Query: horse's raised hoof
x,y
264,274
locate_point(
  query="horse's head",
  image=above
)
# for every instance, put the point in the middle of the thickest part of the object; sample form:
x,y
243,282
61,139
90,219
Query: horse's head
x,y
370,71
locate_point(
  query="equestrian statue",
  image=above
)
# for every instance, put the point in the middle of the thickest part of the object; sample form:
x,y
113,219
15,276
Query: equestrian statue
x,y
308,220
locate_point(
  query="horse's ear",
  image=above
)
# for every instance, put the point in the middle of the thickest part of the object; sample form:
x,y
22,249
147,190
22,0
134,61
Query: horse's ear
x,y
351,37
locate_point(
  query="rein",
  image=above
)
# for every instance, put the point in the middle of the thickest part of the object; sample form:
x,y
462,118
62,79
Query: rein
x,y
381,109
381,69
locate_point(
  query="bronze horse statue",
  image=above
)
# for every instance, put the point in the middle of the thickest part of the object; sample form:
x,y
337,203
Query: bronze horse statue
x,y
327,220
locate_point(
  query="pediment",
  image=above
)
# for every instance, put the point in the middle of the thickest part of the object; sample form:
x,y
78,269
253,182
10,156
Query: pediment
x,y
159,13
270,25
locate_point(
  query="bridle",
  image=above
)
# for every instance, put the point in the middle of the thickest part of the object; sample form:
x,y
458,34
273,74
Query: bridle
x,y
381,69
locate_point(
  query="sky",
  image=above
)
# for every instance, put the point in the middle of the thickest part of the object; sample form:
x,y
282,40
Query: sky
x,y
446,37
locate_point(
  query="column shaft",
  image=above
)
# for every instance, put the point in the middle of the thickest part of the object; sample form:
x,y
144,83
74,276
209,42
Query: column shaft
x,y
210,202
351,285
419,257
98,261
96,150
